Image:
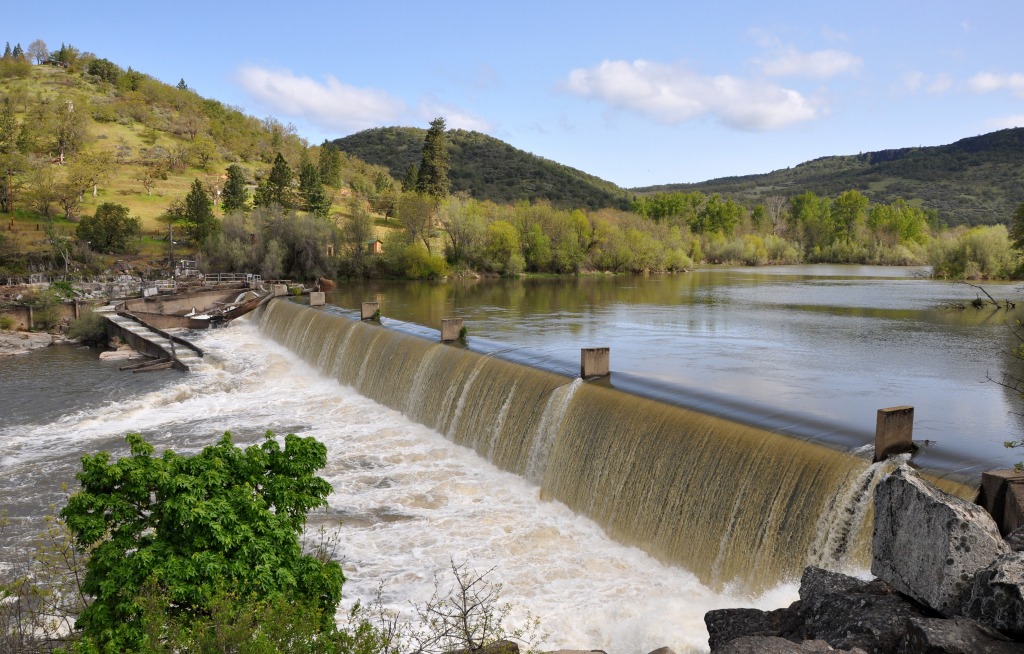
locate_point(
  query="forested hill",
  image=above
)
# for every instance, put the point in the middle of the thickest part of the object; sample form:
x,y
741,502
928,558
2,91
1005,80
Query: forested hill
x,y
975,180
487,168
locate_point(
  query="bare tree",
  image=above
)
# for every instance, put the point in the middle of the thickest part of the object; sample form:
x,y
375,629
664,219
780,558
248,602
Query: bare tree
x,y
37,50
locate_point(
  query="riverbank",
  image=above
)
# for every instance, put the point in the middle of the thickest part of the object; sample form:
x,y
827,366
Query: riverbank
x,y
13,343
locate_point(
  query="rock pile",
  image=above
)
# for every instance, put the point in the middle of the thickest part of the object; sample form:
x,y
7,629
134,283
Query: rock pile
x,y
947,584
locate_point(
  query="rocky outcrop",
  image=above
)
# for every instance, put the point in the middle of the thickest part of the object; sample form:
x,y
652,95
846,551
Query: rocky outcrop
x,y
929,544
996,596
841,613
21,342
948,584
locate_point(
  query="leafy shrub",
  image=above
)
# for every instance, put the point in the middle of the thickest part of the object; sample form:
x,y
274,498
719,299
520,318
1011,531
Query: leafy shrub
x,y
90,327
6,322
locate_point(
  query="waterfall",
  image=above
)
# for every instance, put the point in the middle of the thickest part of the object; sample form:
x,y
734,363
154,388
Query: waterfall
x,y
731,503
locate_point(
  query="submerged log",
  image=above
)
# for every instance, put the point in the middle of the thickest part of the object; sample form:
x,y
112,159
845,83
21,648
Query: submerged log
x,y
161,364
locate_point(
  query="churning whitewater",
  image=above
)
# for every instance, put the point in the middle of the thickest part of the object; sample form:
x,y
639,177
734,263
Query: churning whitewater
x,y
406,502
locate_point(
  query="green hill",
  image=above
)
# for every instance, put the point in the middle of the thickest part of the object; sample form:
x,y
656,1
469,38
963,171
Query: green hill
x,y
975,180
487,168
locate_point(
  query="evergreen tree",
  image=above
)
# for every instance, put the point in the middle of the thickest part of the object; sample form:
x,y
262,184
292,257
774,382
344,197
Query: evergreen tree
x,y
433,174
7,51
18,53
409,181
200,223
330,165
276,188
235,196
314,198
1017,228
182,86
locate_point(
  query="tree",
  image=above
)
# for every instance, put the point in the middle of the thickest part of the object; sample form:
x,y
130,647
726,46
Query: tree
x,y
110,230
416,211
330,165
67,129
432,178
1017,228
276,188
188,531
235,196
37,50
200,222
314,199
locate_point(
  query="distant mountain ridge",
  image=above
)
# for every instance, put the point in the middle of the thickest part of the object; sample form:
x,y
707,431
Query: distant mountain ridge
x,y
488,168
976,180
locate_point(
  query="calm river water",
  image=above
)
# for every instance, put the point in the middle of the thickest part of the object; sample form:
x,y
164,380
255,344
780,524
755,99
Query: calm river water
x,y
815,350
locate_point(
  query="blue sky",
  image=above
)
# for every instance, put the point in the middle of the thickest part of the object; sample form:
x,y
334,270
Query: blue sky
x,y
636,92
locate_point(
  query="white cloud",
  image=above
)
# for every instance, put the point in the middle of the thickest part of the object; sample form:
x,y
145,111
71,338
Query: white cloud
x,y
912,80
940,83
1006,122
331,104
989,82
822,64
674,94
454,117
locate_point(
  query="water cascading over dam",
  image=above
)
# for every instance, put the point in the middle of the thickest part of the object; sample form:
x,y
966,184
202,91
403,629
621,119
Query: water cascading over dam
x,y
729,502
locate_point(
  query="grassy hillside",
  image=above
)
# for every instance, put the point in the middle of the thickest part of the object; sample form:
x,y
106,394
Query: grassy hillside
x,y
487,168
975,180
145,140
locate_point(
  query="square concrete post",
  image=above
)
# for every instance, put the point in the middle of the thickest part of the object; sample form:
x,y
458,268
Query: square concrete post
x,y
369,310
894,430
279,289
451,329
317,298
1001,493
594,362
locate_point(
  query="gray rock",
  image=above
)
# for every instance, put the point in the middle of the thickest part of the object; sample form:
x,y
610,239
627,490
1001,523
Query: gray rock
x,y
776,645
663,650
725,625
929,544
849,613
996,596
1015,539
956,636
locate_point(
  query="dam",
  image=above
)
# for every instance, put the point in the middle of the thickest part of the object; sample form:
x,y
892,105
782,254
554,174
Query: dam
x,y
734,504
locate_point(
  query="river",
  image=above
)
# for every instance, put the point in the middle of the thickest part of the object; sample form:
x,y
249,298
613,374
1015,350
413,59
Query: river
x,y
407,501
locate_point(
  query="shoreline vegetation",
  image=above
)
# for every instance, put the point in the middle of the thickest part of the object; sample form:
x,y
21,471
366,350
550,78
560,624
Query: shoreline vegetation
x,y
109,169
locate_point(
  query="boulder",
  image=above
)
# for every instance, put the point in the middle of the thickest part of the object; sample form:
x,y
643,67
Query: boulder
x,y
725,625
1015,539
929,544
776,645
958,636
849,613
845,612
996,596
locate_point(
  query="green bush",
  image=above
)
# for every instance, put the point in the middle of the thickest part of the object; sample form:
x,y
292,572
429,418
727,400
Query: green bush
x,y
90,327
186,532
6,322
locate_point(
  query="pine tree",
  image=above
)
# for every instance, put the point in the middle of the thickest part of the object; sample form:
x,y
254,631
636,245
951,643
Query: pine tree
x,y
433,173
411,174
182,86
235,196
330,165
200,222
7,51
276,188
314,198
18,53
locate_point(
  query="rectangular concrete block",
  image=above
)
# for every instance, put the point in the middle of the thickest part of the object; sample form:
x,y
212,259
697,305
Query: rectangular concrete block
x,y
451,328
317,299
369,310
595,362
1000,493
279,289
894,430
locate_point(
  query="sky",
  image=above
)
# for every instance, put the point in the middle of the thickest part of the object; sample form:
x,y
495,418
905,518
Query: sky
x,y
638,93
